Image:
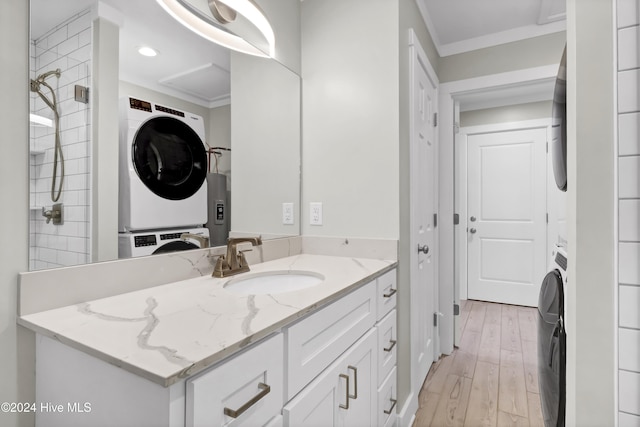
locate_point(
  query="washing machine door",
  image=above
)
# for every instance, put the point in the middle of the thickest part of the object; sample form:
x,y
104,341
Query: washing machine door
x,y
175,246
552,350
170,158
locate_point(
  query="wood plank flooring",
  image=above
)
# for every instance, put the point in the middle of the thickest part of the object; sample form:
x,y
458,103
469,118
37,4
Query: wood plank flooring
x,y
491,379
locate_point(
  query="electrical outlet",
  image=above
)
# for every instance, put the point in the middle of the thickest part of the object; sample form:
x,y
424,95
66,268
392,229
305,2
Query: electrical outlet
x,y
287,213
315,213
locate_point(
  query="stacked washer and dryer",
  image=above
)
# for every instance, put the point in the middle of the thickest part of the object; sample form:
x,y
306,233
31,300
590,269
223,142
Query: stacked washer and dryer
x,y
163,185
552,338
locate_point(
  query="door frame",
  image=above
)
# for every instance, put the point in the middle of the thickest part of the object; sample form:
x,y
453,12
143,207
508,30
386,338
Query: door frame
x,y
449,293
460,187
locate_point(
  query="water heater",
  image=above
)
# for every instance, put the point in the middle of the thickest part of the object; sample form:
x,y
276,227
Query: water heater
x,y
218,220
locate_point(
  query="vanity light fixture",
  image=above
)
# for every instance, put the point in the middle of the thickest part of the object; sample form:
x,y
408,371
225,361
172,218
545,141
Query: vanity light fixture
x,y
192,18
147,51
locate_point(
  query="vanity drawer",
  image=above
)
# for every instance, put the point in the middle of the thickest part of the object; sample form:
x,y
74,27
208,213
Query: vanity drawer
x,y
387,400
387,289
250,384
387,345
316,341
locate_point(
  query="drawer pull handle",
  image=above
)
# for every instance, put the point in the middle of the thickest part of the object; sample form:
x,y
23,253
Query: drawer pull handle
x,y
346,377
390,294
355,381
265,389
393,405
393,344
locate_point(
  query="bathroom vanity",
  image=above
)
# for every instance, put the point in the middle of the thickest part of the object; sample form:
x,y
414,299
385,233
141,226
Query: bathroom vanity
x,y
196,352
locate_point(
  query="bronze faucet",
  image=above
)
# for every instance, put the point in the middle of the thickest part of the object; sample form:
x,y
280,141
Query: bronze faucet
x,y
234,262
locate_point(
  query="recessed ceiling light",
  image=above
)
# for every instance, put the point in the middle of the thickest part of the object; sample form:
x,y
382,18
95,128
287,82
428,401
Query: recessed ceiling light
x,y
147,51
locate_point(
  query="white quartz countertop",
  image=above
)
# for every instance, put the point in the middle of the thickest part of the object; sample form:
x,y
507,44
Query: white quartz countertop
x,y
172,331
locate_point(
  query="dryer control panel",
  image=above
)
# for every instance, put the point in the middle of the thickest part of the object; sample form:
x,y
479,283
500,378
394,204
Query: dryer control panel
x,y
145,240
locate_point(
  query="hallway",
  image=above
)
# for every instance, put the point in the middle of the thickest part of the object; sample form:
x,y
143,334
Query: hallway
x,y
491,379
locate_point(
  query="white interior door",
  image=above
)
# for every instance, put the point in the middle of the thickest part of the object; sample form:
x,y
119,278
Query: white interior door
x,y
423,180
506,224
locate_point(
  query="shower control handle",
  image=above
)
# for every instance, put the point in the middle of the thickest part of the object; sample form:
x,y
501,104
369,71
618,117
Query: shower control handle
x,y
55,214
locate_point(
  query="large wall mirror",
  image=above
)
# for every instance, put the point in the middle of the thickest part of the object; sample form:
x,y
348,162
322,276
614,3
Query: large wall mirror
x,y
247,110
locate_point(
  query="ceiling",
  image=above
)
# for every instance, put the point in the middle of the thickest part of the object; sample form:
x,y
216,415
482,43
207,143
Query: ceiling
x,y
458,26
187,66
200,72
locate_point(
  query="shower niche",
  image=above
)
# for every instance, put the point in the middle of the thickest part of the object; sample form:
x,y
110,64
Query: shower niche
x,y
60,147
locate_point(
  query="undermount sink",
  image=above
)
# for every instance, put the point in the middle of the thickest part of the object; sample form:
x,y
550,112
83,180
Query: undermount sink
x,y
273,282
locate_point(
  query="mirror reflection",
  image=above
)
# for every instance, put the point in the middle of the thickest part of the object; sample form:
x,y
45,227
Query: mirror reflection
x,y
190,113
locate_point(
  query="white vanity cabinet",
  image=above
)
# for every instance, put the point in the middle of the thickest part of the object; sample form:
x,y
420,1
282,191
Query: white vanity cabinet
x,y
333,367
358,388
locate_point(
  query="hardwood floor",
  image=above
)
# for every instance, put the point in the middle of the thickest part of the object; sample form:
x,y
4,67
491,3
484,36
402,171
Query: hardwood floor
x,y
492,378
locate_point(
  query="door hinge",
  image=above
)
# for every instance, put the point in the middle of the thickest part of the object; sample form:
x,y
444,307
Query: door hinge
x,y
456,219
547,217
456,128
435,119
456,309
435,220
547,146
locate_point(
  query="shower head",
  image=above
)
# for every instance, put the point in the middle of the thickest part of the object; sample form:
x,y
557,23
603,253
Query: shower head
x,y
35,83
46,75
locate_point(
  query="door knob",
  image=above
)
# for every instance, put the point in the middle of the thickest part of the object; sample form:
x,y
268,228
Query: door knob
x,y
472,231
424,249
473,219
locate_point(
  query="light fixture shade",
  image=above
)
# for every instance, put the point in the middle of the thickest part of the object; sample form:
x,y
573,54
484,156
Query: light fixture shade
x,y
37,120
192,18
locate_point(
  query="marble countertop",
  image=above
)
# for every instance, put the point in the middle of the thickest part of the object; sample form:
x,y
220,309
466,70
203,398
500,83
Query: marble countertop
x,y
172,331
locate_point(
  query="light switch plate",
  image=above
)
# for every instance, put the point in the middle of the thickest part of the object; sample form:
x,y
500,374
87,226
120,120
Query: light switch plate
x,y
287,213
315,213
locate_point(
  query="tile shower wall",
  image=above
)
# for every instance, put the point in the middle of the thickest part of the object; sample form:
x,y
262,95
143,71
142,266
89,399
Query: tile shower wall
x,y
67,47
629,212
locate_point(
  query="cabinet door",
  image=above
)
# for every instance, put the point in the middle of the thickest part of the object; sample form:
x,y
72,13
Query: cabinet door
x,y
387,349
331,399
247,390
319,339
361,367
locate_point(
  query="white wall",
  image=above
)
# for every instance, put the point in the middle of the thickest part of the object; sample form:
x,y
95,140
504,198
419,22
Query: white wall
x,y
628,213
350,117
265,144
591,205
16,350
